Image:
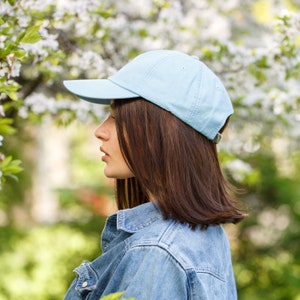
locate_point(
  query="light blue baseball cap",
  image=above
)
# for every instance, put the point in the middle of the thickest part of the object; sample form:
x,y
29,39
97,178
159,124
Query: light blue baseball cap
x,y
176,82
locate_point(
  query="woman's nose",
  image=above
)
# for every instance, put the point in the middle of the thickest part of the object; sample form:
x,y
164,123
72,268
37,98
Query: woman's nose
x,y
101,133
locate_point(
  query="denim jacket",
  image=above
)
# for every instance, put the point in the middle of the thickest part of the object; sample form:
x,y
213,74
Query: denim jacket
x,y
149,257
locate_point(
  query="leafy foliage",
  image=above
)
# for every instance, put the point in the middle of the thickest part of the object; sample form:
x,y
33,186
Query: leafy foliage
x,y
41,261
44,42
51,42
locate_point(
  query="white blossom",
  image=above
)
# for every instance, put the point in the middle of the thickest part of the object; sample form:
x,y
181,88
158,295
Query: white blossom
x,y
271,225
2,113
103,44
15,69
37,4
23,21
6,8
2,40
39,103
238,169
11,59
23,112
3,69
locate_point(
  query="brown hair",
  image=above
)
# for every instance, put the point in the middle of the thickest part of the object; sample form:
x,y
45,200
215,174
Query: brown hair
x,y
174,163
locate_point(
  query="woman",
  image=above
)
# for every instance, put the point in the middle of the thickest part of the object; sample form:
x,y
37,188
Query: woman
x,y
168,111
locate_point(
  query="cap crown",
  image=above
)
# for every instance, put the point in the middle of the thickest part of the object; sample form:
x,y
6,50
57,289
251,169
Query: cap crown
x,y
181,84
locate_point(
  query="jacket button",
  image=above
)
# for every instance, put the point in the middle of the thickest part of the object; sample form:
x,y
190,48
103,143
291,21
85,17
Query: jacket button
x,y
84,284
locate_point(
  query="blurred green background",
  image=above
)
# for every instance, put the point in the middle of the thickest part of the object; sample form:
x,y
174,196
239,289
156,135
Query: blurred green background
x,y
53,211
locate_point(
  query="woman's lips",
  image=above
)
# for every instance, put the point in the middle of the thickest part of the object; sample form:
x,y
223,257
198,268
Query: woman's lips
x,y
105,155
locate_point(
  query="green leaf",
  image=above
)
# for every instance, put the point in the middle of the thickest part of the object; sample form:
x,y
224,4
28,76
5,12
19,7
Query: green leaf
x,y
4,163
14,177
19,53
9,167
12,168
143,32
207,53
5,126
10,2
115,296
31,35
13,96
10,90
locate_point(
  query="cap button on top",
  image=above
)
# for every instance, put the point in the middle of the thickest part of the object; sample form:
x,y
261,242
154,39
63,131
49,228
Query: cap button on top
x,y
84,284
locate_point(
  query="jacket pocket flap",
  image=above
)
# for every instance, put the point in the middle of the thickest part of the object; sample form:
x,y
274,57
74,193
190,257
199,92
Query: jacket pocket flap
x,y
87,279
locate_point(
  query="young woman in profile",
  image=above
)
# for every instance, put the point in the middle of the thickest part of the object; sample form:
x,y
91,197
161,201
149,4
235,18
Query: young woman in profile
x,y
166,241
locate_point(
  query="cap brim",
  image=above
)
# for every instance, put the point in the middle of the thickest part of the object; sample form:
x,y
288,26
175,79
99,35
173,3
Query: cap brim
x,y
100,91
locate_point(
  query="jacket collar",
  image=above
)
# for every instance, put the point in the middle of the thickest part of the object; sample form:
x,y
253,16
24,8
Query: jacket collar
x,y
134,219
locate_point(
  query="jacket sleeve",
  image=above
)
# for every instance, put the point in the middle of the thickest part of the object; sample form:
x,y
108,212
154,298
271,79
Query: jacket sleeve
x,y
149,272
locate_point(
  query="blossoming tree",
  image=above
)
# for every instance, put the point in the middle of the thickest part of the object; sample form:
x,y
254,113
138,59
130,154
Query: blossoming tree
x,y
252,45
44,42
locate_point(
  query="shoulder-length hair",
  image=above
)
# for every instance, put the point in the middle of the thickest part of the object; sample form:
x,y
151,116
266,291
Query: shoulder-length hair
x,y
172,163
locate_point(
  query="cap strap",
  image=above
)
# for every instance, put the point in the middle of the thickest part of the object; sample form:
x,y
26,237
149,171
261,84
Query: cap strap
x,y
217,138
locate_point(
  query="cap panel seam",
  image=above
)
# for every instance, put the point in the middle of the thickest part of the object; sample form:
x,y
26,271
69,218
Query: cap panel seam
x,y
196,98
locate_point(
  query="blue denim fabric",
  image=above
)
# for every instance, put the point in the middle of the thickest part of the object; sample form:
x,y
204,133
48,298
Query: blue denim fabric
x,y
152,258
